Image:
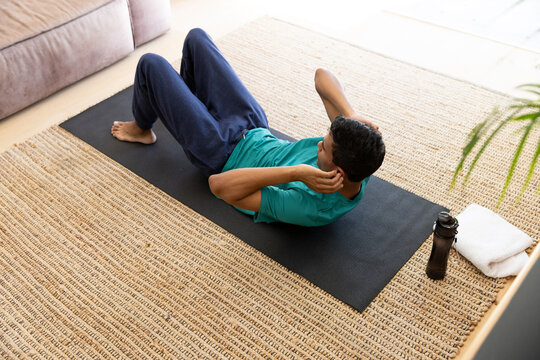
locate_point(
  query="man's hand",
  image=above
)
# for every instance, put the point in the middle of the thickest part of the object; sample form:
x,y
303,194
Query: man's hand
x,y
354,116
318,180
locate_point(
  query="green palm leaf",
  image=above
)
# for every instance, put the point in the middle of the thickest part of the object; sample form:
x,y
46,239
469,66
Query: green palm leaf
x,y
533,91
526,117
472,139
524,110
530,173
528,85
515,159
525,106
486,143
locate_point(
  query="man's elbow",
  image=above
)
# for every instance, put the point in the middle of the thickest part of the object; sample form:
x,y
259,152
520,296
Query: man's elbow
x,y
214,184
219,189
320,73
318,79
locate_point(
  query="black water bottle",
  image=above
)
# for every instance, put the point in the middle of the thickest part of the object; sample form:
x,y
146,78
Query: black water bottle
x,y
444,235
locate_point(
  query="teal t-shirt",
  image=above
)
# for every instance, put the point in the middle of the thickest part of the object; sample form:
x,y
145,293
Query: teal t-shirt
x,y
292,202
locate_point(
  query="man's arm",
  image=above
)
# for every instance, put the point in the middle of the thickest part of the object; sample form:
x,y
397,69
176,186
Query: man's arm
x,y
333,97
332,94
242,187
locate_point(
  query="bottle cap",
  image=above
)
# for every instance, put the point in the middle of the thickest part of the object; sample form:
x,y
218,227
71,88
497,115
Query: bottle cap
x,y
446,225
446,220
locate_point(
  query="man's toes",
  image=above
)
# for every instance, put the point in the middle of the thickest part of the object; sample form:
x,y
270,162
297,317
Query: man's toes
x,y
117,126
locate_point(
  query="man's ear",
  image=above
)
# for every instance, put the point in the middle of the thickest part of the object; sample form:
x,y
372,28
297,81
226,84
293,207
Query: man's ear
x,y
340,170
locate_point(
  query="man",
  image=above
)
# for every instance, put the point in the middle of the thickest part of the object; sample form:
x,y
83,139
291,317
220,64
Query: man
x,y
224,132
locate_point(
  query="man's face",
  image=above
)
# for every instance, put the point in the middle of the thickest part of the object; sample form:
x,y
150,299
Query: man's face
x,y
324,154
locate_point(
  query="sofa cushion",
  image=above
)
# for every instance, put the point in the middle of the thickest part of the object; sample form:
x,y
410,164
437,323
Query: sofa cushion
x,y
149,19
40,65
23,19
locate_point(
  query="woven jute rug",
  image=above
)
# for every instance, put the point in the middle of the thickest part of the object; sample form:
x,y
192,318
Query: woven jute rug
x,y
97,263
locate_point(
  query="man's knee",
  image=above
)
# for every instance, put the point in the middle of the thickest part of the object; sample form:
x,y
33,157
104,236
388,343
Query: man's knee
x,y
196,35
148,61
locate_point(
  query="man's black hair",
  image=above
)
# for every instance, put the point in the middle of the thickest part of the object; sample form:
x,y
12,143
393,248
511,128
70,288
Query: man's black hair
x,y
358,148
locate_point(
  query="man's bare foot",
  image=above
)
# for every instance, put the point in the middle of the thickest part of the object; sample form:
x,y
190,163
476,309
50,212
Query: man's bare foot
x,y
129,131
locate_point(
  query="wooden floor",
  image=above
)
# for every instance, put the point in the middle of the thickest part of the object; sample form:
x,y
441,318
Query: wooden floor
x,y
380,26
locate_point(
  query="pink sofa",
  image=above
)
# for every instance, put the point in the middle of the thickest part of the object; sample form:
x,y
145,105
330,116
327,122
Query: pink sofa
x,y
46,45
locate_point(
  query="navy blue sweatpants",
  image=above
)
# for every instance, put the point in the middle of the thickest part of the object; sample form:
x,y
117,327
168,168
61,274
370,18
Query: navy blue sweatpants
x,y
206,108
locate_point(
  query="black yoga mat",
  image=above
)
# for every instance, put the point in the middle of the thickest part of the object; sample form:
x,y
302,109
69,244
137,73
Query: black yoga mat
x,y
352,258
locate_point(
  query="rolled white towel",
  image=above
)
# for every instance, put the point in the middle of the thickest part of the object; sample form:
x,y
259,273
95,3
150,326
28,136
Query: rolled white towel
x,y
491,243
